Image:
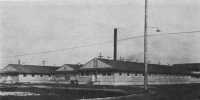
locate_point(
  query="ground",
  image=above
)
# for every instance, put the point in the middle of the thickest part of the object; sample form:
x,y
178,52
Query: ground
x,y
68,92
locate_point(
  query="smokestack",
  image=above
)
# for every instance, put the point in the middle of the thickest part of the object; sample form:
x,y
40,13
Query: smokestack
x,y
19,62
115,45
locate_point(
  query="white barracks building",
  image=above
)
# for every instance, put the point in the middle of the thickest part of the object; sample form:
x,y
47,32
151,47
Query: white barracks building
x,y
109,72
17,73
100,71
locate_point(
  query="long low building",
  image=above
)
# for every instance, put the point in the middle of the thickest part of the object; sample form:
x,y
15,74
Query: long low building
x,y
108,72
17,73
100,71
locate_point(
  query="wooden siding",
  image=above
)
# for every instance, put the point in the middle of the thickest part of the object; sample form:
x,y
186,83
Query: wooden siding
x,y
65,68
119,78
9,68
9,79
29,78
95,63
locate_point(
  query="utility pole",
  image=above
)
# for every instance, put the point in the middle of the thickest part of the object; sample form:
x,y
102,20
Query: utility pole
x,y
145,46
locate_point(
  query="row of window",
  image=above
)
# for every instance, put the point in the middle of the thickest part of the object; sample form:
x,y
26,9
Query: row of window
x,y
104,74
33,75
109,74
135,74
87,74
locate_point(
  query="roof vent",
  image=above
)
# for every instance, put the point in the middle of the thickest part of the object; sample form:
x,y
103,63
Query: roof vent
x,y
43,62
100,56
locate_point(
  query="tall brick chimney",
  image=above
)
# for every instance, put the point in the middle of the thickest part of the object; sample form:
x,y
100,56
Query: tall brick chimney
x,y
115,45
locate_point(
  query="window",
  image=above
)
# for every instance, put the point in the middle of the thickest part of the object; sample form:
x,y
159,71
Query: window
x,y
120,73
109,74
24,75
82,74
33,75
139,74
128,74
41,75
104,74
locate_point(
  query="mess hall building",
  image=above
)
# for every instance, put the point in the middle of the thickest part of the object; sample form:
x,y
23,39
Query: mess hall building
x,y
18,73
100,71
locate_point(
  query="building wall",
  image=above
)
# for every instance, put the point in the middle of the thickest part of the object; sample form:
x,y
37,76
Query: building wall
x,y
116,78
169,79
84,79
94,63
32,78
138,79
104,79
128,79
64,78
36,78
9,79
195,79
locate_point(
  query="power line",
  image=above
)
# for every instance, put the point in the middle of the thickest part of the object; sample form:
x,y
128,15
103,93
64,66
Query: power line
x,y
175,33
151,35
94,44
59,50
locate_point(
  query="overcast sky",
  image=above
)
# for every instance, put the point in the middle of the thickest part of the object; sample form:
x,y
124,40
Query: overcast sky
x,y
32,26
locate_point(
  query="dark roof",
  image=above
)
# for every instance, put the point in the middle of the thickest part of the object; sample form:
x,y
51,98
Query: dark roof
x,y
30,69
136,67
74,66
188,66
64,71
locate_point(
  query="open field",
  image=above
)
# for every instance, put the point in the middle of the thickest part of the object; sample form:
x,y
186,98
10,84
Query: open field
x,y
68,92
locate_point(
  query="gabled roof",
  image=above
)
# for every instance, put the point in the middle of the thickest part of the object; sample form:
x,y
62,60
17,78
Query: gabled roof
x,y
31,69
74,66
69,67
137,67
188,66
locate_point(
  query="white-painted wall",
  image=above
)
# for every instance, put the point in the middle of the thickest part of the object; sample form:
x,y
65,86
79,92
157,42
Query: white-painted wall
x,y
195,79
36,78
83,79
28,78
94,63
102,79
138,79
9,79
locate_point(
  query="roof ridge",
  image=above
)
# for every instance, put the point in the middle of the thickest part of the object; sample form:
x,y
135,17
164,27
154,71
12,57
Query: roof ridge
x,y
119,61
111,60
